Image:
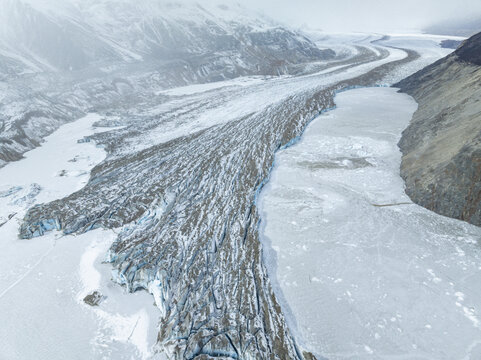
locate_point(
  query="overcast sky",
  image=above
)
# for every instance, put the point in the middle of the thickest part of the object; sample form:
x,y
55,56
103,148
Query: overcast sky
x,y
367,15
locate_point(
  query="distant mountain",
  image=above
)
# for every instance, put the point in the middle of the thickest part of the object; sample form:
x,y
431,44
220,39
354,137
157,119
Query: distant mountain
x,y
441,148
464,27
214,42
470,51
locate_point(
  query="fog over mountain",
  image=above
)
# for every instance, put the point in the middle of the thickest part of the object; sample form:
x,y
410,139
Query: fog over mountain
x,y
343,15
368,15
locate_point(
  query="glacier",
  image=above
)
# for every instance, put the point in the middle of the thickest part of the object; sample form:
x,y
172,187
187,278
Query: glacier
x,y
163,197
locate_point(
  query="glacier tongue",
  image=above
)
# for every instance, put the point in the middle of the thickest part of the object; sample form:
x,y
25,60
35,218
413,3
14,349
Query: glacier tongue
x,y
180,185
357,264
189,214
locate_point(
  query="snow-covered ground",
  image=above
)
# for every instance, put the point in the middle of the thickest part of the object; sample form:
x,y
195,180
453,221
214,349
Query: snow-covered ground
x,y
43,281
361,271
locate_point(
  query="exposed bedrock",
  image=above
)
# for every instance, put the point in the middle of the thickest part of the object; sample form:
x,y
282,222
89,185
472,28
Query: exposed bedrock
x,y
441,162
190,235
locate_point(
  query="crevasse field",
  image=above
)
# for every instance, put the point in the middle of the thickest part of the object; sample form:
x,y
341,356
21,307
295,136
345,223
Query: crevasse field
x,y
357,279
354,262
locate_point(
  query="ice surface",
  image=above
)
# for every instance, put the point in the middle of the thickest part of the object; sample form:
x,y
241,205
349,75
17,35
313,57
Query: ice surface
x,y
360,280
43,282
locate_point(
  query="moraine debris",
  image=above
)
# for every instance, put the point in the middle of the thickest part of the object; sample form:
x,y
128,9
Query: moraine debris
x,y
94,299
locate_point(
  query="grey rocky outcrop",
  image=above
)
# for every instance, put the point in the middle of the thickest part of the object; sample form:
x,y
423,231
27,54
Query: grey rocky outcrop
x,y
94,299
441,148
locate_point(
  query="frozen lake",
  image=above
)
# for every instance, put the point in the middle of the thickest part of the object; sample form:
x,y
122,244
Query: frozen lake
x,y
358,276
43,281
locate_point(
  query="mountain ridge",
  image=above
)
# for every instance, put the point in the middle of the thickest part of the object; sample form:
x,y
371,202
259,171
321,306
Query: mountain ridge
x,y
441,148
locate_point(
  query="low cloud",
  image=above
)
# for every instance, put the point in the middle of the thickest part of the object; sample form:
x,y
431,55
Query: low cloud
x,y
367,15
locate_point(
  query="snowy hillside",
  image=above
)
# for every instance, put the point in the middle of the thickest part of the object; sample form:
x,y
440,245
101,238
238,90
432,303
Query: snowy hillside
x,y
72,35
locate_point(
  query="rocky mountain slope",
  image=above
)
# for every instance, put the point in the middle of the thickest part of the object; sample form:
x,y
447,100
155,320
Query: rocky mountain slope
x,y
59,60
74,35
442,146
